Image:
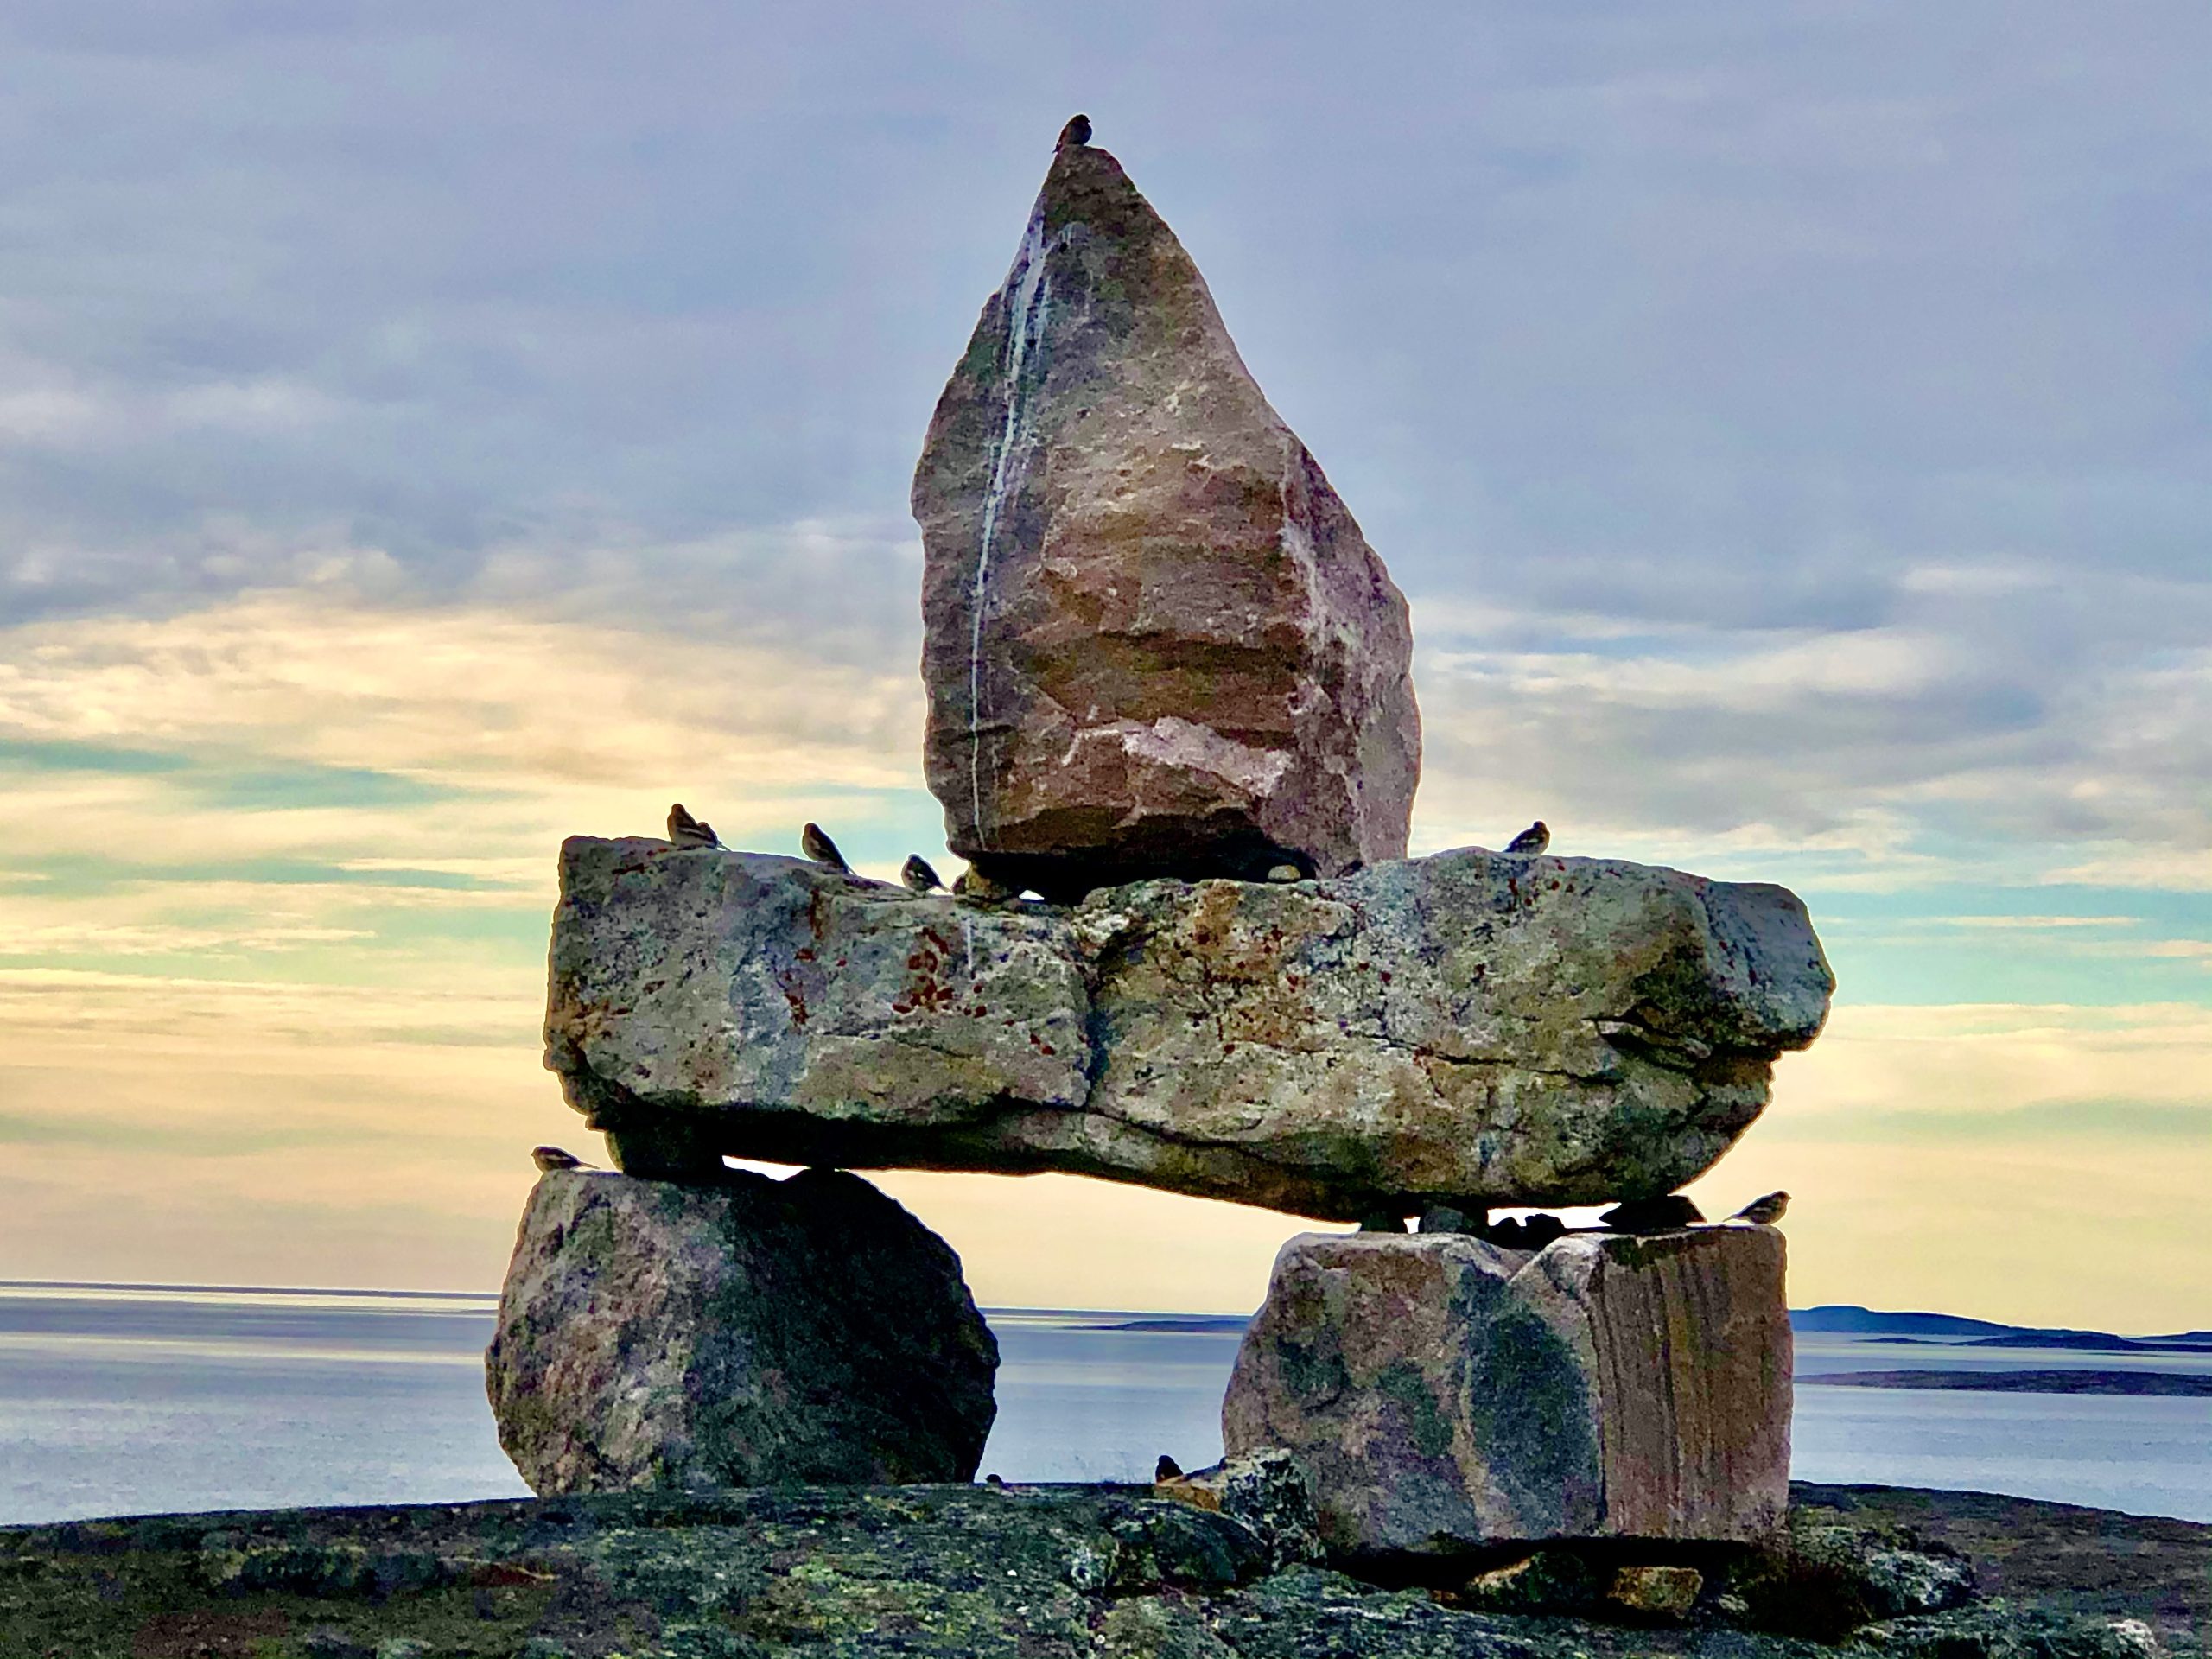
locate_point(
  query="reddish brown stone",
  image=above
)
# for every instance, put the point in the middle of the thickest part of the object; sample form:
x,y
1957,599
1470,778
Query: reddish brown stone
x,y
1155,642
1447,1395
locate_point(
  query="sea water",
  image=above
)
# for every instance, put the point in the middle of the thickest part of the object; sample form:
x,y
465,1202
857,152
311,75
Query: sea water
x,y
119,1400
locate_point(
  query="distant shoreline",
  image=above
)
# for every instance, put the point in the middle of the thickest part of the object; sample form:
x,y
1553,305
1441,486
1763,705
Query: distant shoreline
x,y
2077,1381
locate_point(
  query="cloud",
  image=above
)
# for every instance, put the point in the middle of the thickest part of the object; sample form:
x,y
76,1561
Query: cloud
x,y
1923,757
428,433
309,697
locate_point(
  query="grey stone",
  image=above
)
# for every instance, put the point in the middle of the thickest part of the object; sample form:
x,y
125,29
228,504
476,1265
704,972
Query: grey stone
x,y
1448,1396
1466,1028
1269,1490
1828,1572
1661,1594
1308,1613
1553,1582
1154,640
1153,1627
1992,1629
657,1335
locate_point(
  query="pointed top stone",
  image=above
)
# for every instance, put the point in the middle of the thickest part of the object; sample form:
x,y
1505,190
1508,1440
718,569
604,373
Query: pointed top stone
x,y
1154,640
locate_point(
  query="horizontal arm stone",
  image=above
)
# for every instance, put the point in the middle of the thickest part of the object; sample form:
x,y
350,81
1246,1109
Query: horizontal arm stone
x,y
1467,1027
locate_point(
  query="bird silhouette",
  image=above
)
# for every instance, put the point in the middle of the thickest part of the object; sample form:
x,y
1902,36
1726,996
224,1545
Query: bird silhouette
x,y
1531,841
1166,1468
917,875
552,1159
1652,1215
1076,134
823,851
1765,1212
686,831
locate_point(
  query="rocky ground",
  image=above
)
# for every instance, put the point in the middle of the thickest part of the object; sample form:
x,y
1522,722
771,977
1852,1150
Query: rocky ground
x,y
1048,1570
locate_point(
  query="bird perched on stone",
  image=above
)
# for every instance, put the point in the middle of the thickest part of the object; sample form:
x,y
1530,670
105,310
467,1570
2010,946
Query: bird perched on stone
x,y
823,851
685,830
1533,1234
1652,1215
1076,134
1531,841
1166,1468
1766,1210
549,1159
1450,1218
917,875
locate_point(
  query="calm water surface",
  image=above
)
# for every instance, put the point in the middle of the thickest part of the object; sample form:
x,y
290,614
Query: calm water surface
x,y
118,1401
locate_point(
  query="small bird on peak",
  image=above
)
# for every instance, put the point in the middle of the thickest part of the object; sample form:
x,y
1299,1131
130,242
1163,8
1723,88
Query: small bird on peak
x,y
550,1160
1166,1468
917,875
1531,841
1076,134
685,831
1764,1211
823,851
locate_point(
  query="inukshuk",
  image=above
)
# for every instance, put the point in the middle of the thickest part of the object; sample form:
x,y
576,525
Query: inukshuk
x,y
1162,661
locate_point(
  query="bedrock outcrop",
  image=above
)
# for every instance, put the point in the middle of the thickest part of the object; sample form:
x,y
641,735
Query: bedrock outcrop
x,y
1448,1396
1155,642
752,1333
1465,1028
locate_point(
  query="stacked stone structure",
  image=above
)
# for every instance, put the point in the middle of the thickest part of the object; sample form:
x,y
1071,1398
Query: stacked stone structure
x,y
1168,692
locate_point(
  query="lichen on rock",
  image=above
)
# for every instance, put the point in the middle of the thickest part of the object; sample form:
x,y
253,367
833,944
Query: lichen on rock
x,y
1449,1396
750,1332
1466,1028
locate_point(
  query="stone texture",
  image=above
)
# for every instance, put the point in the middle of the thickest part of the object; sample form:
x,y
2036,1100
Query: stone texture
x,y
653,1335
1448,1395
1466,1029
942,1572
1154,640
1268,1490
1662,1595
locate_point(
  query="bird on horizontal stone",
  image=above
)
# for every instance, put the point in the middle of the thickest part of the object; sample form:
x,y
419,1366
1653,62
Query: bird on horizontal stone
x,y
1533,1234
1076,134
1764,1211
550,1160
685,830
917,875
1531,841
1450,1218
1166,1468
823,851
1651,1215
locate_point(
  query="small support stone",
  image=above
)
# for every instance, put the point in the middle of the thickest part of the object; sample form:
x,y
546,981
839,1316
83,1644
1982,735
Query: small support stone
x,y
1449,1396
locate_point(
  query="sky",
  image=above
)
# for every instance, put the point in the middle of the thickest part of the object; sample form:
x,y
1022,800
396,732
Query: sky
x,y
429,431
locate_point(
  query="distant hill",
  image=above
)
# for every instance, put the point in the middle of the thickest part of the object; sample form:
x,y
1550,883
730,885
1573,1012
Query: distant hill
x,y
2098,1341
1848,1320
2140,1382
1844,1319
